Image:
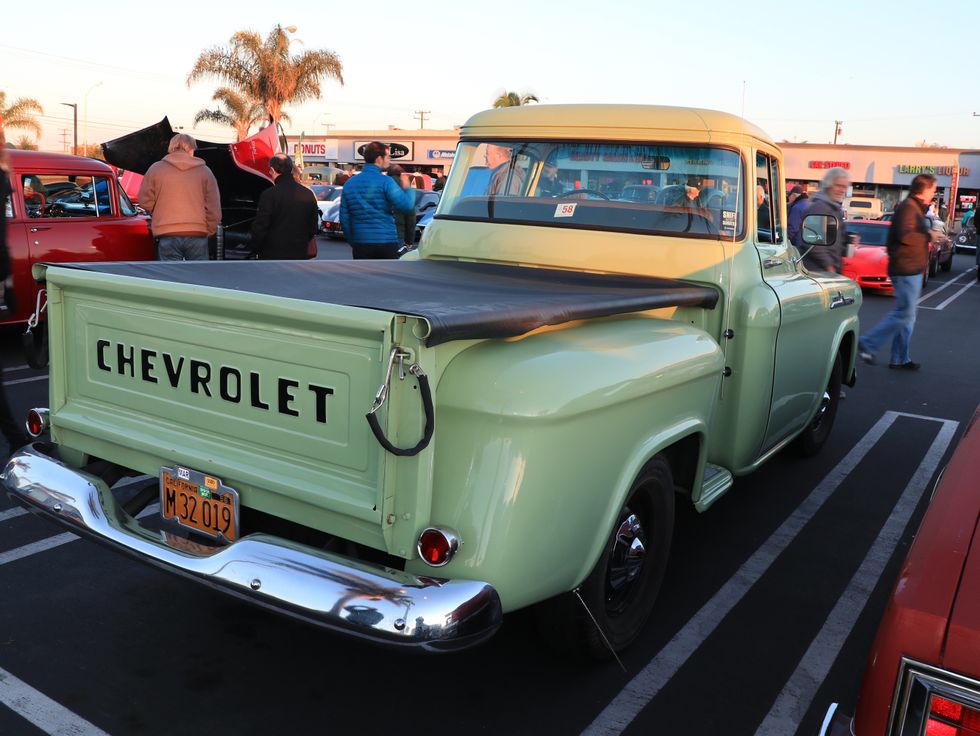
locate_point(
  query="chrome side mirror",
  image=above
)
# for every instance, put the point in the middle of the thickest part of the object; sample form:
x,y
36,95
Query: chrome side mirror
x,y
817,230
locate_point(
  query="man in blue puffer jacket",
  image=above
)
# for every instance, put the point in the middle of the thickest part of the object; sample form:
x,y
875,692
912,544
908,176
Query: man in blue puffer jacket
x,y
366,206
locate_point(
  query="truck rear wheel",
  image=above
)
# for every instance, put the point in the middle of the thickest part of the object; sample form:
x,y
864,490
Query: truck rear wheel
x,y
815,436
621,590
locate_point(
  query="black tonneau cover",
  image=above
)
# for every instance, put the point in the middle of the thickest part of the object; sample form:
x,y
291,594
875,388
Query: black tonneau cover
x,y
461,300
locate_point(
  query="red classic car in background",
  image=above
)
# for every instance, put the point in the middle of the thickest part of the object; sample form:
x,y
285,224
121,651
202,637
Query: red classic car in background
x,y
242,171
923,672
869,264
67,208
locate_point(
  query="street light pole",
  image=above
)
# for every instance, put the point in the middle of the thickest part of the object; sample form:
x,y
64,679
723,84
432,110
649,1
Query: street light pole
x,y
74,140
97,84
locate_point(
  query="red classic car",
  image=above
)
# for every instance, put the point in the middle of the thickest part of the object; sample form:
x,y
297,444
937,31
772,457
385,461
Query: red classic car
x,y
67,208
869,264
923,672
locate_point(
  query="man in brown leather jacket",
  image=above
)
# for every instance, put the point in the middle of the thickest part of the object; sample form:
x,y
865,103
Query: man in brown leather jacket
x,y
908,258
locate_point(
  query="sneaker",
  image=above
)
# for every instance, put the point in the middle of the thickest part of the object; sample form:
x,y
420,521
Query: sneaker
x,y
909,366
866,357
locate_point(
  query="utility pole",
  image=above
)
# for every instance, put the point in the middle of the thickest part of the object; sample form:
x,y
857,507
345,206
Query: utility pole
x,y
420,116
74,140
837,130
64,140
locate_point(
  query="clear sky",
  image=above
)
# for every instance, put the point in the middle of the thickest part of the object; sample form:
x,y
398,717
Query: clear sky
x,y
895,73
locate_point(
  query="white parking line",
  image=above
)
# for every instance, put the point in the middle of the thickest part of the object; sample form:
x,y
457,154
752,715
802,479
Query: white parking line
x,y
616,716
26,380
11,514
970,273
34,547
792,703
42,711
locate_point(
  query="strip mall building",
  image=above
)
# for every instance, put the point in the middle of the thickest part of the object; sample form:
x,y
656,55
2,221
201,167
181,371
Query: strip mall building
x,y
876,171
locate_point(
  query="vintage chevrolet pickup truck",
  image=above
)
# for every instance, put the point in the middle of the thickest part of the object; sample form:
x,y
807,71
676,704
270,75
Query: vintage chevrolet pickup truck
x,y
559,365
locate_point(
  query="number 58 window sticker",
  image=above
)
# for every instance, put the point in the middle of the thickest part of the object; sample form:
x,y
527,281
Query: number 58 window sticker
x,y
565,210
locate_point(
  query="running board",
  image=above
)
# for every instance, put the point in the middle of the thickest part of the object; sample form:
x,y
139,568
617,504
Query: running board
x,y
717,480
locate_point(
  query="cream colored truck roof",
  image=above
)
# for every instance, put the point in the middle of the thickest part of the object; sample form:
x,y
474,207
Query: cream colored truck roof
x,y
611,122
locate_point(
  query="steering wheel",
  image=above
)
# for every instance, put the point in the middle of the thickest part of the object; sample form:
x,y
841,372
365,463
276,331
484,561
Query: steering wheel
x,y
576,192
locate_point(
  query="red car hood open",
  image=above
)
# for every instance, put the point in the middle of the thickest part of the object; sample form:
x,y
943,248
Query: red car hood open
x,y
240,168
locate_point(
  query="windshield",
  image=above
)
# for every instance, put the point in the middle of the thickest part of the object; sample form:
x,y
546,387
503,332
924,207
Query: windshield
x,y
870,234
325,193
645,188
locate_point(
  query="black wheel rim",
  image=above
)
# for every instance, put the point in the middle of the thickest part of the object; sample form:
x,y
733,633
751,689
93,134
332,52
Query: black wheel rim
x,y
626,562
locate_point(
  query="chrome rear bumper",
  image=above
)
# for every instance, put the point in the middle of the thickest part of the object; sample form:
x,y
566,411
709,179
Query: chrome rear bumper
x,y
359,599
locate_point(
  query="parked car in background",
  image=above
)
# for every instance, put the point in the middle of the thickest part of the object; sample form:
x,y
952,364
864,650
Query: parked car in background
x,y
325,194
863,208
78,212
869,264
423,222
966,238
941,248
425,200
923,672
330,218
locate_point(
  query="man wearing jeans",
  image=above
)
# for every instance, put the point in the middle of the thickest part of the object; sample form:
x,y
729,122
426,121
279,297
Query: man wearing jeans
x,y
908,258
181,194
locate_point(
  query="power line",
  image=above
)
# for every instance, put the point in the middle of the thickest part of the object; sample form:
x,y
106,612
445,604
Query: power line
x,y
420,116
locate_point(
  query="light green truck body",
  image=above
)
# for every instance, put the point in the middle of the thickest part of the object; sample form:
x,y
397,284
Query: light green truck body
x,y
538,438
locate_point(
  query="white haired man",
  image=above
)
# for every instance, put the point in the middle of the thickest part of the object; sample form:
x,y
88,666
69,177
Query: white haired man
x,y
829,201
181,194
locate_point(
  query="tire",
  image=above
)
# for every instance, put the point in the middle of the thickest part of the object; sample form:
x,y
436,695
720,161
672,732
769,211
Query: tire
x,y
817,432
925,277
948,265
933,266
35,345
622,588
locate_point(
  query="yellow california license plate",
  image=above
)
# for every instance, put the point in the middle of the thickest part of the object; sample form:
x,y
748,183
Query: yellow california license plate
x,y
200,502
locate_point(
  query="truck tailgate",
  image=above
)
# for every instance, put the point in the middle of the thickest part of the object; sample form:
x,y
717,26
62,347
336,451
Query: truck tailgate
x,y
269,394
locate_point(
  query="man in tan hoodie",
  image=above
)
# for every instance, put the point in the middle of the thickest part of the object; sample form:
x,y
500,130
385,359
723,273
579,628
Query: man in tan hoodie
x,y
181,194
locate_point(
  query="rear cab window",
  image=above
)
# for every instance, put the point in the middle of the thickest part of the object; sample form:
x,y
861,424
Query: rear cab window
x,y
694,191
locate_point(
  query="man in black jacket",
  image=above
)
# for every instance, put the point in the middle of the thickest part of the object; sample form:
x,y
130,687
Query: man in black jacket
x,y
288,216
908,258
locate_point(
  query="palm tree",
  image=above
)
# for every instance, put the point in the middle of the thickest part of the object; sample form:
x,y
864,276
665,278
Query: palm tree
x,y
26,143
513,99
266,70
22,113
239,112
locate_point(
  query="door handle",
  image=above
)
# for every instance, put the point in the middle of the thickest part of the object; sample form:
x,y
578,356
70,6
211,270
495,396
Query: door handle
x,y
38,229
772,262
839,300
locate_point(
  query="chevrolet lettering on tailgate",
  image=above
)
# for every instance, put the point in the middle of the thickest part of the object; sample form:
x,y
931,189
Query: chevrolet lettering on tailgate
x,y
200,377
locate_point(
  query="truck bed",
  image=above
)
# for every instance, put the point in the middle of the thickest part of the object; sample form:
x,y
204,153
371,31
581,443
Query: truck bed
x,y
460,300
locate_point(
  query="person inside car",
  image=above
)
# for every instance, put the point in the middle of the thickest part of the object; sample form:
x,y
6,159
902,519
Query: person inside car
x,y
33,200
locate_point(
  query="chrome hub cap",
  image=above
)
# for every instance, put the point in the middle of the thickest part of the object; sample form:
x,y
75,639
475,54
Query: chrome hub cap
x,y
626,560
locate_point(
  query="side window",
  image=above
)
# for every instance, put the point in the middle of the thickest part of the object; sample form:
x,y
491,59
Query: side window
x,y
763,199
777,197
102,196
126,207
34,193
73,195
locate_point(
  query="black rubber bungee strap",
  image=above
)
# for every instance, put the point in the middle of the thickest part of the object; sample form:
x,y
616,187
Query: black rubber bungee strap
x,y
430,422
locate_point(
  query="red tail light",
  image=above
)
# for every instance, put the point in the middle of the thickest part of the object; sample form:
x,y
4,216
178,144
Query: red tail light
x,y
437,546
949,718
37,422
